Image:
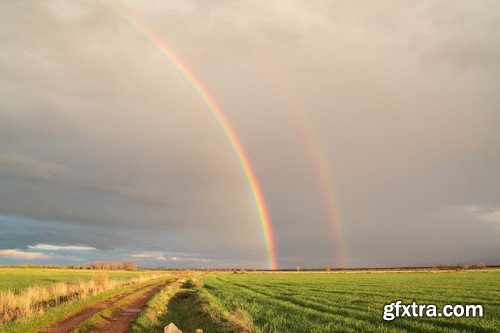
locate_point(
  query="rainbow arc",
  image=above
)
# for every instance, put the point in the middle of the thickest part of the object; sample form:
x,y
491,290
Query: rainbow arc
x,y
219,117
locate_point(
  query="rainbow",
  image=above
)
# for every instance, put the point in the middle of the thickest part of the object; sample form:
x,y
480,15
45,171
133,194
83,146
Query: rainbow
x,y
321,166
221,120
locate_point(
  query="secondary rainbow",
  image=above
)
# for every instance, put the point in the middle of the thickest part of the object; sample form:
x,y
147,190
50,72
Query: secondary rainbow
x,y
320,163
221,120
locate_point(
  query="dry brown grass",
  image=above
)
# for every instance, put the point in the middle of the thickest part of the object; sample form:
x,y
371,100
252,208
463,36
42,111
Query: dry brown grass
x,y
100,280
234,321
239,321
35,299
192,283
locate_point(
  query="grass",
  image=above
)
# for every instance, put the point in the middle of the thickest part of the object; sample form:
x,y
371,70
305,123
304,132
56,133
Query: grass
x,y
62,311
152,318
18,279
101,317
353,302
292,302
35,299
189,307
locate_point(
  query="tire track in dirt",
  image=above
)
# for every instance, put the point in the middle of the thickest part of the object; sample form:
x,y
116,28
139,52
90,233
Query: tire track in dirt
x,y
121,321
70,323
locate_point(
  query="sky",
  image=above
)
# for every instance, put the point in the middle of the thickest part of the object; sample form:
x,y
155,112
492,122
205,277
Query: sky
x,y
372,128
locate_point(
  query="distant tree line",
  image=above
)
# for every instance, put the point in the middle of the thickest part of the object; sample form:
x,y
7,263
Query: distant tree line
x,y
111,265
462,266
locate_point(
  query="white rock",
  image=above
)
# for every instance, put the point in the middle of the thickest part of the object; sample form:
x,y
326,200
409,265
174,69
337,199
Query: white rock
x,y
171,328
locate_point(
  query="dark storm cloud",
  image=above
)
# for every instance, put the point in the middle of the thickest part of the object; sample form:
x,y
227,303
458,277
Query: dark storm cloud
x,y
21,167
103,144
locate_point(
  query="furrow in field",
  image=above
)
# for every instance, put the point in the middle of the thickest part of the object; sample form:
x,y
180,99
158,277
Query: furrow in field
x,y
357,314
320,305
310,314
288,294
332,297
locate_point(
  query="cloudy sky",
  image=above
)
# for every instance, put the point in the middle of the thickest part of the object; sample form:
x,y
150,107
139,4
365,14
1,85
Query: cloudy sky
x,y
107,153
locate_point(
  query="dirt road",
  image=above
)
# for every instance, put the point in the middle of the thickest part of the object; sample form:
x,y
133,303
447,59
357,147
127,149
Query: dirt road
x,y
119,322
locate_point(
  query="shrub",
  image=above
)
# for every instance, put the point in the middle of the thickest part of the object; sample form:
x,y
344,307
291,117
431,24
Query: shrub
x,y
442,267
192,283
100,280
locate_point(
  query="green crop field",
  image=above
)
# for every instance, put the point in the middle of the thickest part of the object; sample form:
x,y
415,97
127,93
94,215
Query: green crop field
x,y
353,302
17,279
283,302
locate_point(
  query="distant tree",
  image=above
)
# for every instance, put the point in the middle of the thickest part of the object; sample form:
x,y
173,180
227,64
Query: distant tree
x,y
481,265
464,266
442,267
328,268
297,268
130,266
111,265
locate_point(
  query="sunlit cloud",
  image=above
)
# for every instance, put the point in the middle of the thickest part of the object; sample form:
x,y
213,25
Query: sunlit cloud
x,y
162,256
22,255
148,255
50,247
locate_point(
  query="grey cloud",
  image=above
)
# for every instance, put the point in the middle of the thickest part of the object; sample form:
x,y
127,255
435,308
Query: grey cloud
x,y
104,143
483,215
21,167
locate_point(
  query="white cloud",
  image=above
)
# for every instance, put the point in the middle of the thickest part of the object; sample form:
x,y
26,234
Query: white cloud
x,y
149,255
50,247
200,260
164,257
23,255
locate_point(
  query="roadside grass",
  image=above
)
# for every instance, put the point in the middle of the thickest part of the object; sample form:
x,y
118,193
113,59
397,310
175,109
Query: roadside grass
x,y
36,299
236,320
101,317
353,302
60,312
189,307
149,320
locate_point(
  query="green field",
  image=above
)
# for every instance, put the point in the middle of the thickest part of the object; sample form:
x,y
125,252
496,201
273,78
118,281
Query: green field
x,y
17,279
353,302
282,302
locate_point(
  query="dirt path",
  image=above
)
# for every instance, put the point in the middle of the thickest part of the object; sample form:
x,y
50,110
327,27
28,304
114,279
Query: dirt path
x,y
122,320
70,323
